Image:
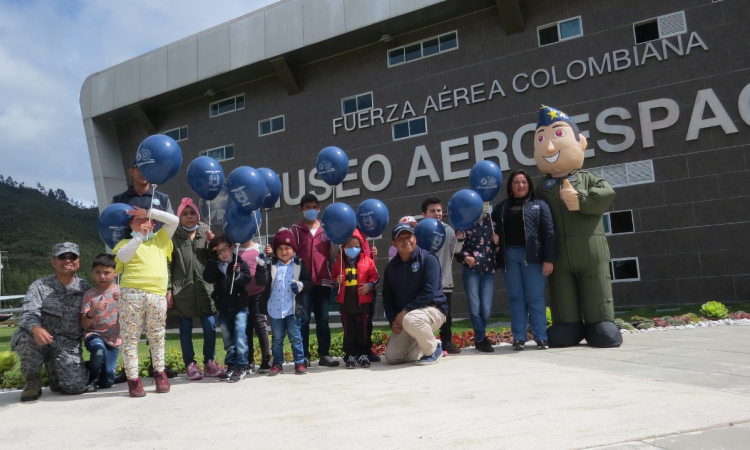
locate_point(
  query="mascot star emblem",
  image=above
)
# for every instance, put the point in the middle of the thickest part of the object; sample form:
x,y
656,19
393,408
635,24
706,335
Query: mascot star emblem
x,y
552,114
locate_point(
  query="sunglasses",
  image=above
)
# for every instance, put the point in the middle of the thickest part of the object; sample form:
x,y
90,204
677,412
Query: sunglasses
x,y
67,256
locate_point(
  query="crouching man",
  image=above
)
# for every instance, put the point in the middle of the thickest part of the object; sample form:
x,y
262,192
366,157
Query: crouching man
x,y
413,300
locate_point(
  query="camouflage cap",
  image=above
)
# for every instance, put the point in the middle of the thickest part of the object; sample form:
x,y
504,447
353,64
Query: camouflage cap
x,y
65,247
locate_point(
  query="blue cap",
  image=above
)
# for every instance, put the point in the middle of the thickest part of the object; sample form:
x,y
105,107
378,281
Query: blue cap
x,y
399,228
549,115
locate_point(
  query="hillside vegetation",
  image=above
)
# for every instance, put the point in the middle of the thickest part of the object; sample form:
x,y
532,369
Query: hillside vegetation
x,y
30,224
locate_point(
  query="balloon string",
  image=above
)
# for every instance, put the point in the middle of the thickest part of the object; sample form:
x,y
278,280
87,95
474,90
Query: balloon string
x,y
341,259
236,255
266,228
257,225
209,215
334,194
152,203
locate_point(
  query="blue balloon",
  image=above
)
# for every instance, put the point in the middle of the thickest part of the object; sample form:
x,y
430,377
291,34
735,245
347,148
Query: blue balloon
x,y
114,223
486,178
338,221
465,209
332,165
240,226
372,217
273,187
247,188
159,158
430,235
205,177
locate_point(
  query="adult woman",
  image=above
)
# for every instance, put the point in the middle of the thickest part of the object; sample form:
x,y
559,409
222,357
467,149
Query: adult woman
x,y
526,254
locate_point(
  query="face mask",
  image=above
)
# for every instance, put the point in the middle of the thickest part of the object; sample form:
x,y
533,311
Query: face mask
x,y
146,238
311,214
193,228
352,252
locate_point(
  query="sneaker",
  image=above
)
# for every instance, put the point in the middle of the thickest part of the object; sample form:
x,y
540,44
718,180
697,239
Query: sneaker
x,y
452,349
351,362
211,369
307,361
193,372
541,344
226,375
91,387
250,368
431,359
275,370
135,388
121,377
300,369
33,389
484,346
373,357
238,374
364,361
265,366
162,382
518,345
327,361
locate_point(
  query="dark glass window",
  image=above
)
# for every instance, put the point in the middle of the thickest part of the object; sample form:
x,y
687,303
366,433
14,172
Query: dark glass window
x,y
448,42
265,127
226,105
648,31
229,152
396,56
430,47
364,102
400,130
240,101
214,109
417,126
183,133
350,105
174,134
277,123
413,52
548,35
625,269
570,28
621,222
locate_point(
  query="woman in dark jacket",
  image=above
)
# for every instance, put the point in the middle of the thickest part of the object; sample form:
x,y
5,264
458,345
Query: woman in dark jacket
x,y
527,252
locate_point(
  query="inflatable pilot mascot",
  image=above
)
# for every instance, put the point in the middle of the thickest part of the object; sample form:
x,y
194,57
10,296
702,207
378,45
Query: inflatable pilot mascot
x,y
580,286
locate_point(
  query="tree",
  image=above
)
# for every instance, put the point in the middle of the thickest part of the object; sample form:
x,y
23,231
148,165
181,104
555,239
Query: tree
x,y
21,185
2,180
41,188
51,194
60,195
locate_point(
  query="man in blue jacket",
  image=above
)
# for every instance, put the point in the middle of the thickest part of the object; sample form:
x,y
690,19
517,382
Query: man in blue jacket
x,y
413,300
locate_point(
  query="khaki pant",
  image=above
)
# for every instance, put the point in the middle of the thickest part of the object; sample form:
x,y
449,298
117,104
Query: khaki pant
x,y
417,338
136,308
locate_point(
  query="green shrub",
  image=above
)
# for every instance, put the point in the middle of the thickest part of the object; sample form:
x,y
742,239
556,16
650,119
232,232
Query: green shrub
x,y
621,324
714,310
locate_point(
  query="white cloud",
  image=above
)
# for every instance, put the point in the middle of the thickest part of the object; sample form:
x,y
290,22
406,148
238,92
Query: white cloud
x,y
48,48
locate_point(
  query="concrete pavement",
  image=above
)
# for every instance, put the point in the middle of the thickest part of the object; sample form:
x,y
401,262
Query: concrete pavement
x,y
681,389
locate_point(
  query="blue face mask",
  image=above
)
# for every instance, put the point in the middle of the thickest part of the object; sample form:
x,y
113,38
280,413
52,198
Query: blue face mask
x,y
193,228
146,238
352,252
311,214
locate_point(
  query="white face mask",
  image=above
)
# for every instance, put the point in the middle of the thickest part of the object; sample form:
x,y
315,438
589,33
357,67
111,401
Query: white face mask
x,y
145,238
193,228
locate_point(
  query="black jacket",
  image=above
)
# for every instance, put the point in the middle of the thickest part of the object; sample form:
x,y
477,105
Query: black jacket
x,y
413,284
238,299
541,243
301,274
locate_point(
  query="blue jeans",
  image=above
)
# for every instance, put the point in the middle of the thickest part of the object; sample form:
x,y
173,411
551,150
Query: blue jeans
x,y
316,302
234,332
525,284
288,325
479,289
209,338
103,361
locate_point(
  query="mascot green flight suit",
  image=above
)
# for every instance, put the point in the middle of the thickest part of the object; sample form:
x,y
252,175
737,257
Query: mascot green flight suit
x,y
580,286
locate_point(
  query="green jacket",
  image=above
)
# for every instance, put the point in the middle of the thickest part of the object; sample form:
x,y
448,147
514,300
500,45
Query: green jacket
x,y
581,242
190,293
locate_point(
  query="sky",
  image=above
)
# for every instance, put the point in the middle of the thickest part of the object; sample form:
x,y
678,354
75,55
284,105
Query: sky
x,y
49,47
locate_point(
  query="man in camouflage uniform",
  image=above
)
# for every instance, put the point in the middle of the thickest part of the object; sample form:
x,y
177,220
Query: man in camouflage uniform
x,y
49,330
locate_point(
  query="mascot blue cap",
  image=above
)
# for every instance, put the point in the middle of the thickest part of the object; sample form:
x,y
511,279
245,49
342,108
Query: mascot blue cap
x,y
549,115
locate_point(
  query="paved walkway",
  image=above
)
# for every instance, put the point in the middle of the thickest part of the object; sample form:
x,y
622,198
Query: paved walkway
x,y
682,389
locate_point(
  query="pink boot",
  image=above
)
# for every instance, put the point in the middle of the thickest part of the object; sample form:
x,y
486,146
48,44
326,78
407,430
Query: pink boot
x,y
211,369
193,372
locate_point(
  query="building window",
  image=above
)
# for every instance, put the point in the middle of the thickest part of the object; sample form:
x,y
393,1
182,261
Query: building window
x,y
560,31
361,102
227,105
270,126
624,269
660,27
629,174
178,134
220,153
423,49
618,222
410,128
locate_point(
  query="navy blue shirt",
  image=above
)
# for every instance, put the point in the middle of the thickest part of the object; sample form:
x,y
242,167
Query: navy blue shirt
x,y
413,284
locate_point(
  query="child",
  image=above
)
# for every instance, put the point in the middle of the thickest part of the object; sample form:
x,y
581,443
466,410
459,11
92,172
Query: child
x,y
232,303
250,252
142,261
189,294
99,319
356,276
287,282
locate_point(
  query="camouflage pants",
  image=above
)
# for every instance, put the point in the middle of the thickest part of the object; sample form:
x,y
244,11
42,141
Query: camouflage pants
x,y
63,358
136,308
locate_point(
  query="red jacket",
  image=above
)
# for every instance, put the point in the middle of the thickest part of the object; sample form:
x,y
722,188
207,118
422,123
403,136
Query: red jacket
x,y
366,272
315,253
